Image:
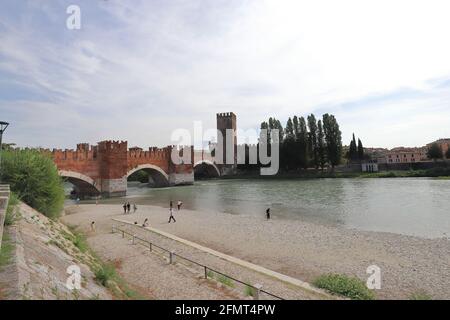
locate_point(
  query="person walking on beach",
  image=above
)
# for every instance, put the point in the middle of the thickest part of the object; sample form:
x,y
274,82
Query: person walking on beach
x,y
179,203
171,215
128,207
125,208
171,204
134,207
268,214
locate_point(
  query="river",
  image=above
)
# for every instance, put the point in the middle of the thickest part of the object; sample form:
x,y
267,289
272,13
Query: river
x,y
410,206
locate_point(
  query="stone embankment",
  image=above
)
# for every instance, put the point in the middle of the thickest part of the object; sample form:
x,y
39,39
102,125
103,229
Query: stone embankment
x,y
40,251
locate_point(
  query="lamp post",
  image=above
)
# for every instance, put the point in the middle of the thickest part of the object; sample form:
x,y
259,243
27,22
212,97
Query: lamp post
x,y
3,126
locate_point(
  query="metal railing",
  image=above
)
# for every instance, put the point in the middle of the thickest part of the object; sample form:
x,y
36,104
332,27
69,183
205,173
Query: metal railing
x,y
255,291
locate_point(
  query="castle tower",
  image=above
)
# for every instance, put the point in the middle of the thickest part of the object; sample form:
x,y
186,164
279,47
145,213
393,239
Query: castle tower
x,y
113,167
228,121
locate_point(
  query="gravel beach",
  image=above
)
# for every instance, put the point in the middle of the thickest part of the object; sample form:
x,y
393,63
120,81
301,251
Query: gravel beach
x,y
302,250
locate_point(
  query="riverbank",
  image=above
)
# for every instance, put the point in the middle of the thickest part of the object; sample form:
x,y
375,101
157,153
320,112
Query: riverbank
x,y
438,172
306,250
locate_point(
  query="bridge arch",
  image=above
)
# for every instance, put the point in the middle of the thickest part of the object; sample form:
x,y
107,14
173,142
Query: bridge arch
x,y
158,175
84,185
206,168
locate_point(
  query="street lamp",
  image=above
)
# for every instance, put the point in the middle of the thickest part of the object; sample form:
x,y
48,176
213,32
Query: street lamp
x,y
3,126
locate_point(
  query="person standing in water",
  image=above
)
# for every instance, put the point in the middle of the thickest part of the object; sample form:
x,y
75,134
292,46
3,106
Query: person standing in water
x,y
268,214
134,207
125,208
171,215
128,207
179,204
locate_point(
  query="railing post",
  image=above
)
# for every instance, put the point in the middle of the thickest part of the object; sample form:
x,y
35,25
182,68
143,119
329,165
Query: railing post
x,y
112,229
133,241
206,273
150,246
171,257
258,288
123,234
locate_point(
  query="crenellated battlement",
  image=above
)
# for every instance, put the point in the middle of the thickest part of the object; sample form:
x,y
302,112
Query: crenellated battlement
x,y
226,115
113,146
83,152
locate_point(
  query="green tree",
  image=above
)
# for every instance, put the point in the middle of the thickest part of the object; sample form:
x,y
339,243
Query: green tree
x,y
360,150
353,150
296,127
313,143
33,176
289,129
333,139
321,152
302,143
435,152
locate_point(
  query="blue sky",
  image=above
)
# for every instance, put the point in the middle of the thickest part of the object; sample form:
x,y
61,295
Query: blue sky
x,y
137,70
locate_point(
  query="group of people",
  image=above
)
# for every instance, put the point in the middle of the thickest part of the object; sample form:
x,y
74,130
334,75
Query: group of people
x,y
127,207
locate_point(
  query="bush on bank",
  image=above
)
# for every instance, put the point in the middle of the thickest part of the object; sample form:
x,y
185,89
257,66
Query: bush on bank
x,y
33,177
343,285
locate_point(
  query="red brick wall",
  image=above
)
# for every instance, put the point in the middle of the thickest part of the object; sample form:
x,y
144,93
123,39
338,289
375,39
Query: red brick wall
x,y
113,160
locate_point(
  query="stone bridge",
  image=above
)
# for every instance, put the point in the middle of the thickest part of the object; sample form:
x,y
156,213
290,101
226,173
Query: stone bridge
x,y
104,168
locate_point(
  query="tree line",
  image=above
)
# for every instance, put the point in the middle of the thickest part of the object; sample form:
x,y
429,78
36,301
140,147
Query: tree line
x,y
307,142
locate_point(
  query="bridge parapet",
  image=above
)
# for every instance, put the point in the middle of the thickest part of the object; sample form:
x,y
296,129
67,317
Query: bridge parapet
x,y
107,165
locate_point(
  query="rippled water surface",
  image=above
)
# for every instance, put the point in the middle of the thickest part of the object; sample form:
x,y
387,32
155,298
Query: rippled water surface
x,y
402,205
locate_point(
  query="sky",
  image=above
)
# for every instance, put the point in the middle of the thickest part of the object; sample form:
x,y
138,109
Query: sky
x,y
137,70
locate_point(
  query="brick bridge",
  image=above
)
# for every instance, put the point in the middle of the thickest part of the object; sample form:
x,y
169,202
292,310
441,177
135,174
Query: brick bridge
x,y
104,168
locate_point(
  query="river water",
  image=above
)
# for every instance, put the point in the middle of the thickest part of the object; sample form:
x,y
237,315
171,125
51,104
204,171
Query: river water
x,y
410,206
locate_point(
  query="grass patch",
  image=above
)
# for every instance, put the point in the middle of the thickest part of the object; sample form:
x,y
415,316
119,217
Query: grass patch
x,y
105,274
11,212
343,285
6,251
249,291
225,280
80,242
220,278
420,295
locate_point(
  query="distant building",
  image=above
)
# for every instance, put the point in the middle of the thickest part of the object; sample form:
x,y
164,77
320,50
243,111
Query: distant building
x,y
406,155
369,167
402,154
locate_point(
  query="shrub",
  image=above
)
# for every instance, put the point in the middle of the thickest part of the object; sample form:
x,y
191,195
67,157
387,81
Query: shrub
x,y
349,287
33,176
105,273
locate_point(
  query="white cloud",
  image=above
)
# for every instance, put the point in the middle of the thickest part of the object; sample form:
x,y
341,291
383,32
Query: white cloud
x,y
139,69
